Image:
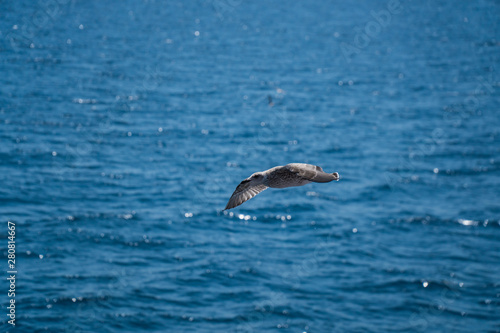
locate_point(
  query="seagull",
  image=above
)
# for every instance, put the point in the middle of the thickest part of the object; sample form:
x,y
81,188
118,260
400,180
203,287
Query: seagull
x,y
293,174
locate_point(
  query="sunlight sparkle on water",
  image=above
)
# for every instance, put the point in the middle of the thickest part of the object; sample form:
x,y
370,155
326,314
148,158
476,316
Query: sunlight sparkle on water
x,y
468,222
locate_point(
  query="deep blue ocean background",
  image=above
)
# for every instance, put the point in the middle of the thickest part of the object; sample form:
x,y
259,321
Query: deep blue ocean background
x,y
126,125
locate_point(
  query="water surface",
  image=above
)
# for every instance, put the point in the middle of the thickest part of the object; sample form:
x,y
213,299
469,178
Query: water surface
x,y
125,128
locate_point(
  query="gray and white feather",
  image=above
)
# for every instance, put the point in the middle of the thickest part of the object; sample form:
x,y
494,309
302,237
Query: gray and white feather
x,y
293,174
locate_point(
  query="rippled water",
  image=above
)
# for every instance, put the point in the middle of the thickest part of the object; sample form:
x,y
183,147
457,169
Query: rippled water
x,y
125,128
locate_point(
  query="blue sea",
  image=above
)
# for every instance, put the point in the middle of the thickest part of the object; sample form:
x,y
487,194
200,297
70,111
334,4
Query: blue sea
x,y
125,127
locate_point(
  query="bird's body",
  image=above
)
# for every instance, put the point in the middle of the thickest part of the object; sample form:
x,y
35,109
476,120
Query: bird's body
x,y
282,177
294,174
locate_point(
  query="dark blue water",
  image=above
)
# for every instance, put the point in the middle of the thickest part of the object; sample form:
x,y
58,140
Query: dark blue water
x,y
125,128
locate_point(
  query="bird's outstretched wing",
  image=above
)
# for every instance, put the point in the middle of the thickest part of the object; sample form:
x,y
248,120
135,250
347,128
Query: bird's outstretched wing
x,y
246,190
311,172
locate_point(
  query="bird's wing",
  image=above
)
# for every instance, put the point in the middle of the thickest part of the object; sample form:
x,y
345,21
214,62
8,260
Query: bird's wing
x,y
311,172
246,190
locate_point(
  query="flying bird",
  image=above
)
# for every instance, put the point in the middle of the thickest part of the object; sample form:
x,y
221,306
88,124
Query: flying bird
x,y
293,174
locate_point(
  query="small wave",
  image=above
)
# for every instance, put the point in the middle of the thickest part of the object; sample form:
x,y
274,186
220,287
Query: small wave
x,y
436,221
84,101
